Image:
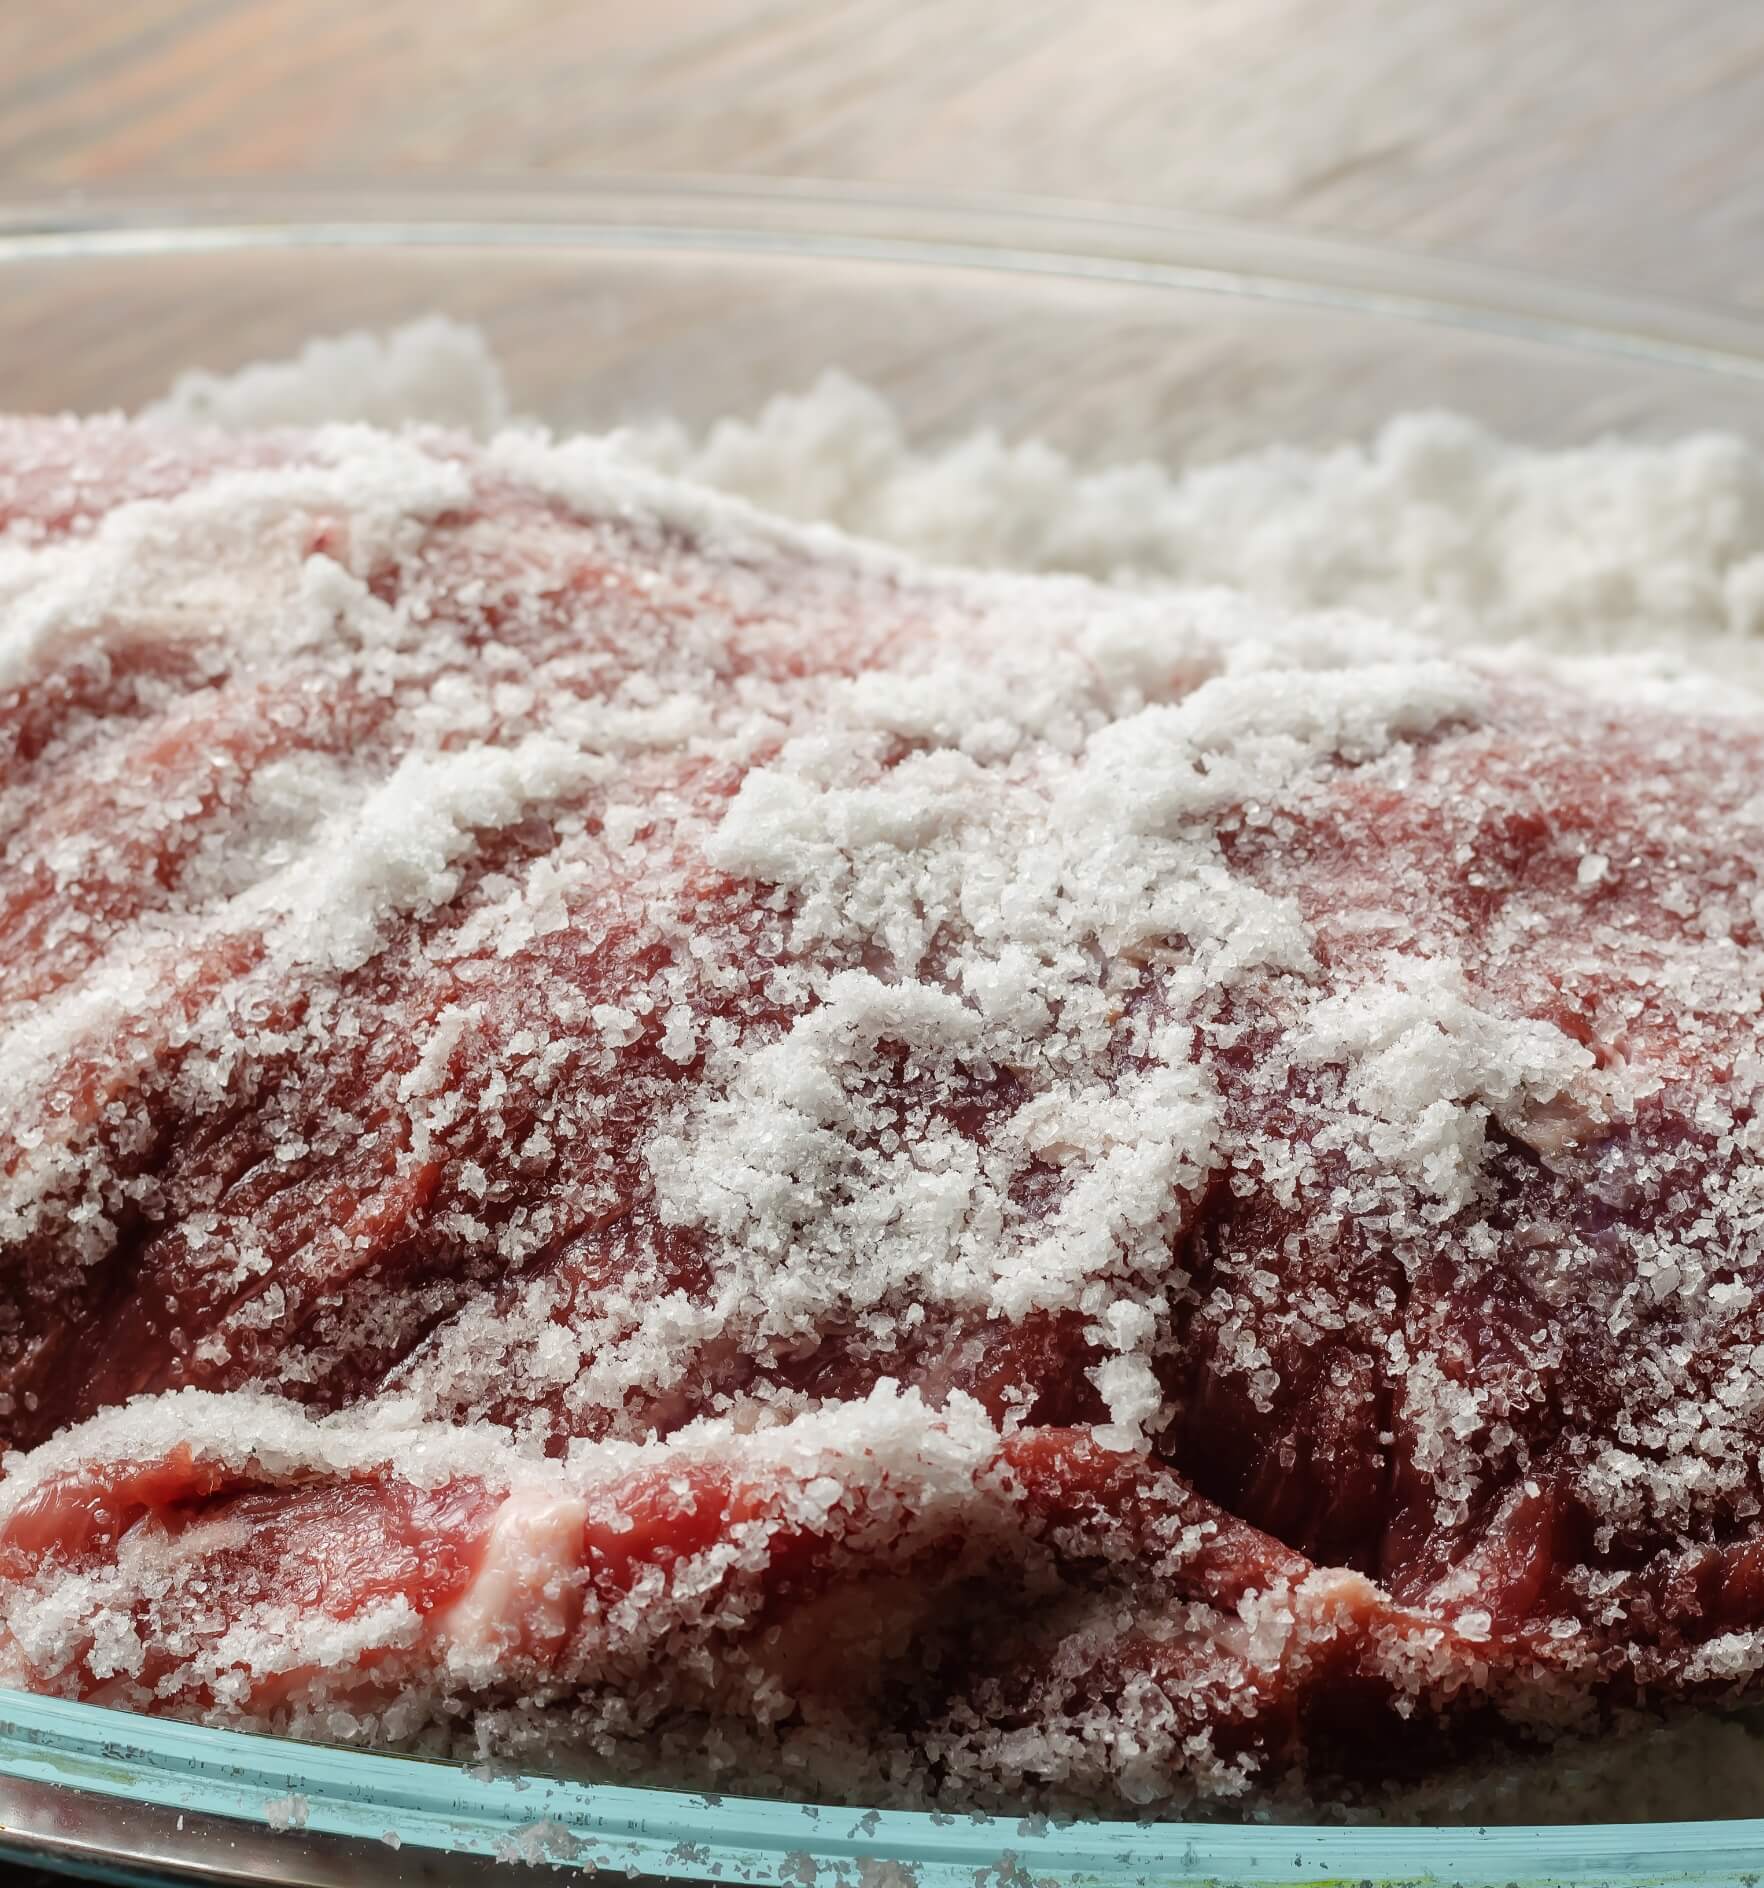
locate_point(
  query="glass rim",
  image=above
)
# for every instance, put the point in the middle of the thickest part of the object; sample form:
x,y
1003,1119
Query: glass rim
x,y
756,218
316,1811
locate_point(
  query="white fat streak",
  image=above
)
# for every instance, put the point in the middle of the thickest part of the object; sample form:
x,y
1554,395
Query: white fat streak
x,y
519,1600
917,1470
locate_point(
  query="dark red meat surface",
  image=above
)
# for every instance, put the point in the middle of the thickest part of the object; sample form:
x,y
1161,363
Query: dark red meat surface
x,y
615,1121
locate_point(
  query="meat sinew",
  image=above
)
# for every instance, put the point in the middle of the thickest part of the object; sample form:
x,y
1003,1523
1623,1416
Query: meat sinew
x,y
627,1126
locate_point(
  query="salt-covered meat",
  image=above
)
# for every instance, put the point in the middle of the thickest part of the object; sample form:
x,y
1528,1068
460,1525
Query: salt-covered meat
x,y
623,1123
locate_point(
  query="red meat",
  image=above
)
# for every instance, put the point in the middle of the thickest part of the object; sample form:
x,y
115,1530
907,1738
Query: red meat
x,y
1077,1197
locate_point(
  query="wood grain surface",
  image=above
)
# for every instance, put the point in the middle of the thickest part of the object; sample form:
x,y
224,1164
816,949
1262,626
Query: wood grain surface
x,y
1614,140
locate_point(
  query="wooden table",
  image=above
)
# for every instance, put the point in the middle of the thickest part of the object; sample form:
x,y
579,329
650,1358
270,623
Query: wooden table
x,y
1616,140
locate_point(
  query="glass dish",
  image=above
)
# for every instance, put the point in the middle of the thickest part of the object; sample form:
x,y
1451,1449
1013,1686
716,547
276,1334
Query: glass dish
x,y
1115,335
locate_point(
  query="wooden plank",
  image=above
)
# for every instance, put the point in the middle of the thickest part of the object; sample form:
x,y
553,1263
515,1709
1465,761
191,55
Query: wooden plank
x,y
1609,139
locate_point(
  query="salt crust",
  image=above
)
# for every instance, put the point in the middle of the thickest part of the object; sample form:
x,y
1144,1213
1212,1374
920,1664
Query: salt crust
x,y
976,837
434,370
888,1434
1617,546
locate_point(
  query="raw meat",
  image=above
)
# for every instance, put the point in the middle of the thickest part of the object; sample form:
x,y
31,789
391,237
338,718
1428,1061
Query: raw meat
x,y
629,1126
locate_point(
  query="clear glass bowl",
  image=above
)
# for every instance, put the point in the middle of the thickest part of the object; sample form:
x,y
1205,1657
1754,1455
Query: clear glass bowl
x,y
1115,335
